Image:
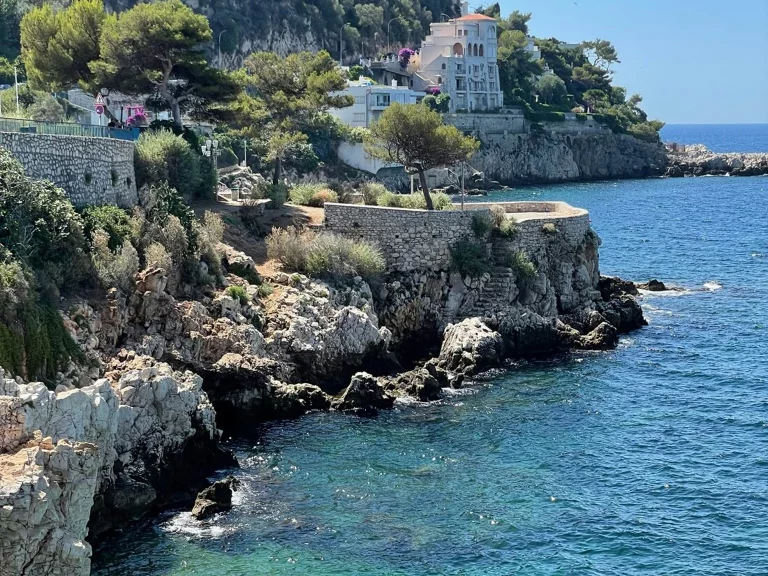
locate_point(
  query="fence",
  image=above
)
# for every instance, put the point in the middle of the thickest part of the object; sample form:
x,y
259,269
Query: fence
x,y
23,126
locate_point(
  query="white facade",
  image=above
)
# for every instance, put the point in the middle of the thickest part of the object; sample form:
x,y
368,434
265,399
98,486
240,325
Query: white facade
x,y
460,56
370,101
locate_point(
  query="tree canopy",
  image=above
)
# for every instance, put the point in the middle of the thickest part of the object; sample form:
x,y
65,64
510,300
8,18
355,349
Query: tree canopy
x,y
289,96
151,49
415,136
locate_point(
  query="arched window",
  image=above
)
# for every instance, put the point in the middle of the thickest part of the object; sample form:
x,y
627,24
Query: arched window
x,y
492,32
474,50
458,49
443,66
481,49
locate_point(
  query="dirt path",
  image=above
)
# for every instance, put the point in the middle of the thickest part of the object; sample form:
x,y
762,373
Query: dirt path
x,y
238,235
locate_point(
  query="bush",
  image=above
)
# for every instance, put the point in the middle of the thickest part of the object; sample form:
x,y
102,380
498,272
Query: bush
x,y
40,225
278,193
209,179
265,290
111,219
156,256
250,275
521,264
167,202
549,228
545,116
507,228
312,195
161,156
46,109
115,269
469,258
371,192
414,201
324,254
481,224
238,293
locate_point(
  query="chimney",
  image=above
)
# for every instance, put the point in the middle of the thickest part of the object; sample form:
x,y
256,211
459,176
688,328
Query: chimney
x,y
464,8
394,83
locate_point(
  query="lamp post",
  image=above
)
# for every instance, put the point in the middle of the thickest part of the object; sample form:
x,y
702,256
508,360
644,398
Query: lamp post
x,y
444,14
341,39
388,23
220,33
16,84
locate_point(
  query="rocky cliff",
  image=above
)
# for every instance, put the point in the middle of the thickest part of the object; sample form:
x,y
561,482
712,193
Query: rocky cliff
x,y
699,161
550,157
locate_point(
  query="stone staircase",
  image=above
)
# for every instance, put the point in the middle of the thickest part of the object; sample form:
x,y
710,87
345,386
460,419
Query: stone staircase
x,y
497,292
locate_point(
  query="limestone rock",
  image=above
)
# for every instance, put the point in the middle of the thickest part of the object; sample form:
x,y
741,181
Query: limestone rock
x,y
215,498
418,383
364,394
293,400
603,337
653,286
470,346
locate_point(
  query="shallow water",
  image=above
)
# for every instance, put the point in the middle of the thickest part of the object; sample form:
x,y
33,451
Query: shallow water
x,y
650,459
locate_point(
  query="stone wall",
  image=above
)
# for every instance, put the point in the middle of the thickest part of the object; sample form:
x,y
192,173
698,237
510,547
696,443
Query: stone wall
x,y
92,171
409,239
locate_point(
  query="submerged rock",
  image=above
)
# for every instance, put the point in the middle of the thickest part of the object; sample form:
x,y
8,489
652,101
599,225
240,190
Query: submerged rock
x,y
653,286
215,498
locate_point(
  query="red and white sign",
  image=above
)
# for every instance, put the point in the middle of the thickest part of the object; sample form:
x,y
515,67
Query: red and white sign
x,y
99,104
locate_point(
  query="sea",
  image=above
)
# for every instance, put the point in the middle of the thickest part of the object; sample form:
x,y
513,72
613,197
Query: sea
x,y
649,459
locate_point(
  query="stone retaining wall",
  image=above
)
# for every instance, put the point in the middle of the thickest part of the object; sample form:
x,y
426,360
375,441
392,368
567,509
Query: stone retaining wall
x,y
92,171
421,239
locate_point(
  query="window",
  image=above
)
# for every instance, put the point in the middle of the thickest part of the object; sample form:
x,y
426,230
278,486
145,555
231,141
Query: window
x,y
492,32
460,84
359,99
481,50
382,100
443,66
358,117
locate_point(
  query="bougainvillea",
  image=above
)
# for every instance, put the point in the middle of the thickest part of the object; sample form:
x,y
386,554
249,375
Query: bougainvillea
x,y
404,57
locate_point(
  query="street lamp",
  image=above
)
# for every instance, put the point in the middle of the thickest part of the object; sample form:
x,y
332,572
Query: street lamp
x,y
444,14
220,33
388,23
341,39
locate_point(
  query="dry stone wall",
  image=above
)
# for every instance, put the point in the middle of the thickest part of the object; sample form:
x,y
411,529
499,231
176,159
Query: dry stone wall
x,y
409,239
92,171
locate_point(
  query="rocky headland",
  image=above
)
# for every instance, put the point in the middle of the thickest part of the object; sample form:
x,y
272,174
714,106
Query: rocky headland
x,y
700,161
141,429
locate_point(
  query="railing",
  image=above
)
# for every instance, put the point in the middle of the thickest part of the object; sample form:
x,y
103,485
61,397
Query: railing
x,y
23,126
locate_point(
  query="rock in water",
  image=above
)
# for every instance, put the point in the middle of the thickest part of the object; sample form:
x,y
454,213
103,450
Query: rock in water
x,y
216,498
470,346
653,286
364,394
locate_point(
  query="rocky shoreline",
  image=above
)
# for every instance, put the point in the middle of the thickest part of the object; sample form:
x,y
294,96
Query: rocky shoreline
x,y
699,161
98,454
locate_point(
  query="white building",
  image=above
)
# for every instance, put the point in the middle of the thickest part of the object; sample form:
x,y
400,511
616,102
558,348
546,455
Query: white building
x,y
370,101
459,56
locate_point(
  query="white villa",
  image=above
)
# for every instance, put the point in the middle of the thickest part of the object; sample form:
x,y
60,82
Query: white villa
x,y
370,101
459,56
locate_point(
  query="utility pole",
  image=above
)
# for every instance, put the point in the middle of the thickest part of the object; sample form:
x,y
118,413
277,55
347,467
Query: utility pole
x,y
245,153
341,40
16,83
462,186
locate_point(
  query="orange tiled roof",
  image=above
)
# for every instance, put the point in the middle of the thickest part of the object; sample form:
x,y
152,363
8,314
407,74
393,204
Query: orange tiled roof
x,y
471,17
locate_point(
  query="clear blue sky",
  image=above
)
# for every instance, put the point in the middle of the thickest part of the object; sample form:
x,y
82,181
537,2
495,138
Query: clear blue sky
x,y
693,61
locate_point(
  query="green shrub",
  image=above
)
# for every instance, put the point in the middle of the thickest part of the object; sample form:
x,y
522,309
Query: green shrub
x,y
312,195
481,224
371,192
161,156
440,201
39,225
250,275
111,219
209,179
521,264
537,128
156,256
549,228
116,269
545,116
278,193
265,290
324,254
507,228
238,293
167,201
581,117
469,258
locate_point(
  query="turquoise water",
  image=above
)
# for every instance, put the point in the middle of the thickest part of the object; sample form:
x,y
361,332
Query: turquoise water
x,y
720,137
650,459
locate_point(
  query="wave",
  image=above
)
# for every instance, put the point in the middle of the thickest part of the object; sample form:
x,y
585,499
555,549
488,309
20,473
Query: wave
x,y
712,286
